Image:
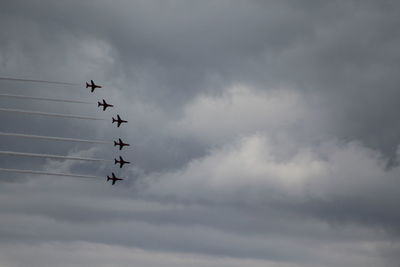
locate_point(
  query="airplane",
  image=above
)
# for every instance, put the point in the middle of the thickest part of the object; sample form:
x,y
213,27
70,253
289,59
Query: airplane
x,y
118,120
105,105
92,85
121,162
120,144
113,178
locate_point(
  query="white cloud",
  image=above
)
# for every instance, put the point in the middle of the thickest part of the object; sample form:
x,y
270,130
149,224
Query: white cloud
x,y
248,166
242,110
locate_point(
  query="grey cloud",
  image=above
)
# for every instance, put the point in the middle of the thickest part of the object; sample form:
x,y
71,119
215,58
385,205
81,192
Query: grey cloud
x,y
194,187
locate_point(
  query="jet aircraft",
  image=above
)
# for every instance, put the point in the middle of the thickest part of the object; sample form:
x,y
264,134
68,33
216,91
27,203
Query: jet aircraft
x,y
105,105
121,162
113,178
120,144
92,85
118,120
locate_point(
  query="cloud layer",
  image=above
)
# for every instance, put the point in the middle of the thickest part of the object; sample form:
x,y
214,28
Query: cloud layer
x,y
262,133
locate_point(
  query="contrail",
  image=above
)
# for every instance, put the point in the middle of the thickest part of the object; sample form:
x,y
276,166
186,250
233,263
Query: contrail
x,y
36,81
21,154
45,99
54,138
49,173
49,114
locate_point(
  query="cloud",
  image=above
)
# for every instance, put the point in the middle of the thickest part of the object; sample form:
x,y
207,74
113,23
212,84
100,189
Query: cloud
x,y
262,133
241,110
83,253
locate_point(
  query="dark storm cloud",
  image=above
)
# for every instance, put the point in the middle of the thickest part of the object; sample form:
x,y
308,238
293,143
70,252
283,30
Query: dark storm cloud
x,y
240,114
342,51
168,52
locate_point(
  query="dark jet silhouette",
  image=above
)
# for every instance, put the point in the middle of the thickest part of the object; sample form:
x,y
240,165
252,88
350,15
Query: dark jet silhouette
x,y
113,178
121,162
105,105
120,144
118,120
92,85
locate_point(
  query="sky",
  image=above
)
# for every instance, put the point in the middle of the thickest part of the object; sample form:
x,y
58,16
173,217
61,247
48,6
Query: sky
x,y
263,133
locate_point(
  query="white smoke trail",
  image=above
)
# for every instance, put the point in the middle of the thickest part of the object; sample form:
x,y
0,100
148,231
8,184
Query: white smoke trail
x,y
44,98
36,81
54,138
49,173
34,155
49,114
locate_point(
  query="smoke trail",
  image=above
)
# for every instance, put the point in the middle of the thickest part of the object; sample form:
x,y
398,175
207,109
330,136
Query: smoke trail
x,y
54,138
50,173
36,81
33,155
49,114
44,98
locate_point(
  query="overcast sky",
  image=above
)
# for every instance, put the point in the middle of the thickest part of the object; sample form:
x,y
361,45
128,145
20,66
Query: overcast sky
x,y
263,133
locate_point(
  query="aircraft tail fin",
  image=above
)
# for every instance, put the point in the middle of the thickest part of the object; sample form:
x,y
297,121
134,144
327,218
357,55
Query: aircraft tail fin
x,y
113,120
108,178
115,161
98,104
87,85
115,143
